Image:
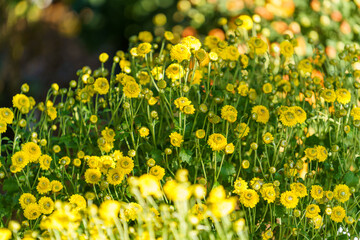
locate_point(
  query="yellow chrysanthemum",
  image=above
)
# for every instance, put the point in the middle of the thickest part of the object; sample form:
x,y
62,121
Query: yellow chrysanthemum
x,y
267,88
262,113
21,102
316,192
32,211
157,72
6,115
158,172
115,176
44,185
180,52
257,46
311,153
46,205
149,185
305,66
243,89
3,126
242,129
229,113
176,139
246,22
338,214
355,113
217,141
26,199
249,198
299,113
342,193
144,132
240,185
101,86
322,153
181,102
191,42
288,118
5,234
145,36
289,199
174,72
32,150
143,49
286,48
299,189
268,138
312,211
126,164
131,90
77,202
20,159
92,176
268,193
318,221
232,53
45,161
56,186
343,96
211,42
328,95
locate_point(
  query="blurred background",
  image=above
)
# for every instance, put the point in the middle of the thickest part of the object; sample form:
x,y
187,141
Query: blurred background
x,y
47,41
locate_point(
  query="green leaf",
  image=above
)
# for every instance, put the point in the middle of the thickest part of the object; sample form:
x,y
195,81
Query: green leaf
x,y
351,179
156,155
227,169
10,185
185,155
279,211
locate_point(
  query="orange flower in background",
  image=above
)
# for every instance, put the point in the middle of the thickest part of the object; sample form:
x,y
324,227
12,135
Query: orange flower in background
x,y
315,5
264,13
281,8
217,32
279,26
330,51
345,27
336,16
295,27
189,31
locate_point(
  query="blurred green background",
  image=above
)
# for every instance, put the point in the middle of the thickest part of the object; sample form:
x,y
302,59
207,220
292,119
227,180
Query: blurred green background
x,y
46,41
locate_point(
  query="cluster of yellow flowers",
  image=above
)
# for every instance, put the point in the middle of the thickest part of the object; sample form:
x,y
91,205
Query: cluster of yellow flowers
x,y
181,136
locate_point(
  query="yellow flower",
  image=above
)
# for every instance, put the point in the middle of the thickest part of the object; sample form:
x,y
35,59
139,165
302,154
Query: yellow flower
x,y
338,213
240,185
211,42
299,113
157,73
109,211
288,118
101,86
46,205
51,112
329,195
176,139
174,72
342,193
45,161
5,234
305,66
103,57
126,164
115,176
25,199
124,78
131,211
176,191
246,22
93,161
199,210
243,89
349,220
32,150
217,141
92,176
268,234
229,113
216,194
181,102
322,153
144,132
56,186
200,133
268,138
229,148
242,129
3,126
143,49
20,159
328,95
316,192
64,160
244,60
77,162
289,199
131,90
343,96
257,46
189,109
145,36
168,35
232,53
6,115
191,42
355,113
267,88
312,211
249,198
158,172
224,207
262,114
32,211
299,189
311,153
21,102
43,185
268,193
286,48
77,202
149,185
143,77
318,221
180,52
